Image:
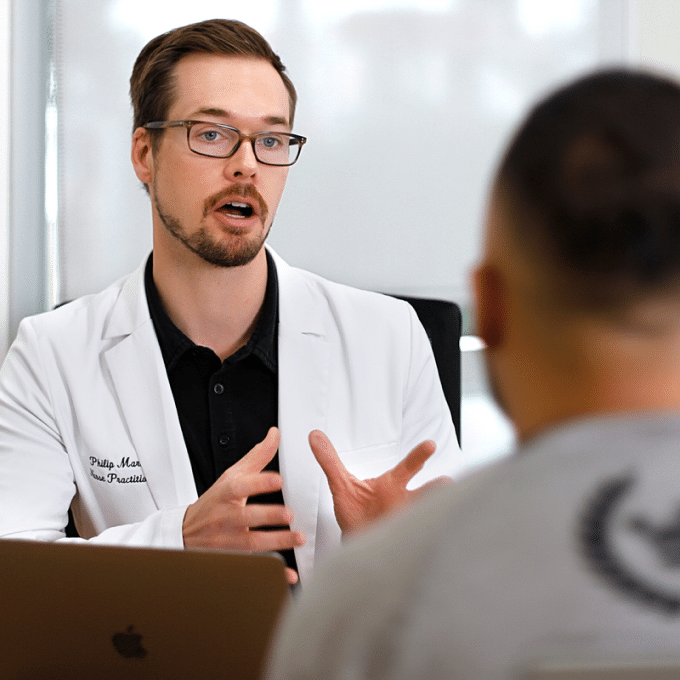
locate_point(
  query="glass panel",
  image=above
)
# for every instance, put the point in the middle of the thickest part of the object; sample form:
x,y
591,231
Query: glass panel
x,y
407,105
450,76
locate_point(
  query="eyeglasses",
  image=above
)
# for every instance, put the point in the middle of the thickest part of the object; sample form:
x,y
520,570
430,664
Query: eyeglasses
x,y
222,141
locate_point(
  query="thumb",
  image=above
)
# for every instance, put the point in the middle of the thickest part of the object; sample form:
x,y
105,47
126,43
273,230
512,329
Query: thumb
x,y
257,458
327,457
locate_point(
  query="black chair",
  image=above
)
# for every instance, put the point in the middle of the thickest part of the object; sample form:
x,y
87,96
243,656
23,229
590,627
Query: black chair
x,y
443,322
71,531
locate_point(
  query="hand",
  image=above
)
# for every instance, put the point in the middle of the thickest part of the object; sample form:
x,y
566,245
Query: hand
x,y
358,502
222,519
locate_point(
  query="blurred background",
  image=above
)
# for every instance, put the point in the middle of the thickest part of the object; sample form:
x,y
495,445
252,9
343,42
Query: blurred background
x,y
407,105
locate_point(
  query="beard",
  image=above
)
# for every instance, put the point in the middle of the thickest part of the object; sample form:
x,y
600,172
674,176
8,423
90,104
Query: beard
x,y
236,250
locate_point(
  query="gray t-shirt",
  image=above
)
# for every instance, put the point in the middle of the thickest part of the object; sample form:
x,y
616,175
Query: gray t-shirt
x,y
569,550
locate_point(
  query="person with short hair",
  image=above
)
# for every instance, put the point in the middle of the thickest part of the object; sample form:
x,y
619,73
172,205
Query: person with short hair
x,y
199,401
566,552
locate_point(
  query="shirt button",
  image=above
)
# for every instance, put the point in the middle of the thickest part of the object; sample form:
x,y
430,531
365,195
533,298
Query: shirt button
x,y
223,440
219,388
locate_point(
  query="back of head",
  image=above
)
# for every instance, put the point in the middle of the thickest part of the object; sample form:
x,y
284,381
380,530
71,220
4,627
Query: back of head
x,y
591,185
152,80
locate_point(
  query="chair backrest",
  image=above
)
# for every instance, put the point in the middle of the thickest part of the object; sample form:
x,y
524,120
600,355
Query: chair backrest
x,y
442,321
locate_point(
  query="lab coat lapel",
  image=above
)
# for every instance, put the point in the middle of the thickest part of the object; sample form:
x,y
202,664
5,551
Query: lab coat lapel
x,y
140,380
304,356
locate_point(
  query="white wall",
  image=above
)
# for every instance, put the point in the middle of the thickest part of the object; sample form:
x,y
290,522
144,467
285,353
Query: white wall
x,y
498,53
406,105
652,36
654,26
655,41
26,53
4,172
653,30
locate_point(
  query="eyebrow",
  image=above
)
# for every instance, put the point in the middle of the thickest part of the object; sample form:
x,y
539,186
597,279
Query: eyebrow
x,y
222,113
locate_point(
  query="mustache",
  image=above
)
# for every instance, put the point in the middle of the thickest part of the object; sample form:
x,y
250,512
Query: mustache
x,y
236,191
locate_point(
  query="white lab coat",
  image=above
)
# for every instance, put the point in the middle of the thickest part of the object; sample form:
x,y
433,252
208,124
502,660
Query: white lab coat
x,y
87,416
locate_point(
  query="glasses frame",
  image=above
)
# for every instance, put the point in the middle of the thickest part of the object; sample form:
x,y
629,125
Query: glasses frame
x,y
188,124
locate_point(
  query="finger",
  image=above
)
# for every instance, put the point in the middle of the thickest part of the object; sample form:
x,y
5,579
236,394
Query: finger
x,y
260,455
255,515
248,485
246,540
413,463
269,541
291,576
327,457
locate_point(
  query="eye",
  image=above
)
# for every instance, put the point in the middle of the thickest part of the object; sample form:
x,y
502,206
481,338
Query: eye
x,y
208,134
271,142
211,134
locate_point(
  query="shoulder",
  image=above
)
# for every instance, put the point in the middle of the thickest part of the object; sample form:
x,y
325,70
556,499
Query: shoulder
x,y
89,317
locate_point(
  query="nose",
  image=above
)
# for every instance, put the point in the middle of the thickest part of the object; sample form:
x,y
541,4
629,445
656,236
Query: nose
x,y
243,163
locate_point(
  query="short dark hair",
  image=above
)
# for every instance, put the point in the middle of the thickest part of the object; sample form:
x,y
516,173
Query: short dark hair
x,y
152,83
592,180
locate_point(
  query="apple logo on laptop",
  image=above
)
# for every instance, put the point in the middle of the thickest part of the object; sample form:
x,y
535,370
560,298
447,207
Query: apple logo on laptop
x,y
129,644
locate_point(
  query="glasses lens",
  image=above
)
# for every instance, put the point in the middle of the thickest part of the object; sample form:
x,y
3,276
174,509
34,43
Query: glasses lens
x,y
277,148
211,140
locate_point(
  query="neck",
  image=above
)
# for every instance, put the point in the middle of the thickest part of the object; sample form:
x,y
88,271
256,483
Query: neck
x,y
605,373
216,307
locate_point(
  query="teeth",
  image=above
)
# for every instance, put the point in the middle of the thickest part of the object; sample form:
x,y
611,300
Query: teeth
x,y
238,209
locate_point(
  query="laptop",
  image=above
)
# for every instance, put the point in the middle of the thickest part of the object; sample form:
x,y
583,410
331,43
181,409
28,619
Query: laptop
x,y
85,611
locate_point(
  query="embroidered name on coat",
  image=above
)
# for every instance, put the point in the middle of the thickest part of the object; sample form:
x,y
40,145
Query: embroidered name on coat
x,y
105,470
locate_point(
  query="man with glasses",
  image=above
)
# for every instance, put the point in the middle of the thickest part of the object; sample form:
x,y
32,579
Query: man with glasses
x,y
217,374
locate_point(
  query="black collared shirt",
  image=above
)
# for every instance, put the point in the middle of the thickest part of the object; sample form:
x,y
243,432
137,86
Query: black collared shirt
x,y
224,408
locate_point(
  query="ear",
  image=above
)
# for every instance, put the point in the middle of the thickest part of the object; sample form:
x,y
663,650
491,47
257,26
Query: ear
x,y
490,305
142,155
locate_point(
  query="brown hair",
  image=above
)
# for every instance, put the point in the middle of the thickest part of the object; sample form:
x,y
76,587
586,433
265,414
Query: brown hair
x,y
152,83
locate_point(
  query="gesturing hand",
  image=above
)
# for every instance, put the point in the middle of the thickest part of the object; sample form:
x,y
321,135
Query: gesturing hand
x,y
359,502
222,519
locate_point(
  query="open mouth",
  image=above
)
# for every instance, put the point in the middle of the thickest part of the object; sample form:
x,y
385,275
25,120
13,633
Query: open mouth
x,y
237,209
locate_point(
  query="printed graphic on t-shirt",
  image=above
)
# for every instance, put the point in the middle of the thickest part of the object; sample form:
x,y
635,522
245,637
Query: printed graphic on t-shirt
x,y
629,551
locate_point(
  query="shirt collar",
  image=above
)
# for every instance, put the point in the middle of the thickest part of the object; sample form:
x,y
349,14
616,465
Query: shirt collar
x,y
262,343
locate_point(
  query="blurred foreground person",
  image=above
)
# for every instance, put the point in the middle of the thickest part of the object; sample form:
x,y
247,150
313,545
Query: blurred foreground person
x,y
570,549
